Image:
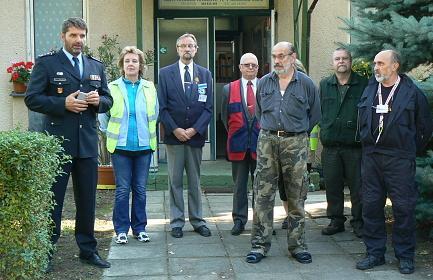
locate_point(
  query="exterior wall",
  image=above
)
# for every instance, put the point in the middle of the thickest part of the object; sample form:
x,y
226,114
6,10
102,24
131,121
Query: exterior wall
x,y
284,25
13,112
111,17
325,32
118,17
148,34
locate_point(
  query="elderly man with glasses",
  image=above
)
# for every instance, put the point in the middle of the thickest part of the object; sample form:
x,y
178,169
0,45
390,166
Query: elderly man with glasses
x,y
238,115
287,109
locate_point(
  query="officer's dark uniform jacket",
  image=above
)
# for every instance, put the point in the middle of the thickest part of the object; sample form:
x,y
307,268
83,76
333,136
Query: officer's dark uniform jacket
x,y
53,79
409,125
339,117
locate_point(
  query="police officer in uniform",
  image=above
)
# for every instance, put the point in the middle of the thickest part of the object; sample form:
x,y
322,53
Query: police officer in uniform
x,y
70,88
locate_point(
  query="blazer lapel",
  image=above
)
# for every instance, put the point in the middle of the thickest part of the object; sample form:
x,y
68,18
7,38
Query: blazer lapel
x,y
177,81
67,65
196,79
86,67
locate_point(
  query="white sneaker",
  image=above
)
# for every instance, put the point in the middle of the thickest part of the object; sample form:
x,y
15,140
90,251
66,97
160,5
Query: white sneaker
x,y
121,238
143,237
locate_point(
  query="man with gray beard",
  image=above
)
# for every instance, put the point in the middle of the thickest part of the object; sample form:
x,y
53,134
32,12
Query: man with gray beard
x,y
287,108
394,125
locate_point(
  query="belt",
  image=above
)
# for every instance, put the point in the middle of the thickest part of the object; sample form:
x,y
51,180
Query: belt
x,y
282,133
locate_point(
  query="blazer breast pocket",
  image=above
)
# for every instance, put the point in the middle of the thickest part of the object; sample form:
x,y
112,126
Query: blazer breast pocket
x,y
95,84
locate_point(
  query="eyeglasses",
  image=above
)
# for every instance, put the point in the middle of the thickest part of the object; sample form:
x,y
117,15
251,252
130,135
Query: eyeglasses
x,y
280,56
250,65
182,46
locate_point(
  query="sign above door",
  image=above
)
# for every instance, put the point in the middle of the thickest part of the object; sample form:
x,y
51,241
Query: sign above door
x,y
213,4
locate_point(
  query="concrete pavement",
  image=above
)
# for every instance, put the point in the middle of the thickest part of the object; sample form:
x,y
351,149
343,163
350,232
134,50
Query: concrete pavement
x,y
222,256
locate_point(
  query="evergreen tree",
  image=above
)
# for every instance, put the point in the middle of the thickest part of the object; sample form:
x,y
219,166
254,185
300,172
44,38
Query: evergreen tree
x,y
403,25
406,26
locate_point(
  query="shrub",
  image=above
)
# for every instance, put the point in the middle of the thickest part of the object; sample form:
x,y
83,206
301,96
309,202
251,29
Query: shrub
x,y
424,179
29,163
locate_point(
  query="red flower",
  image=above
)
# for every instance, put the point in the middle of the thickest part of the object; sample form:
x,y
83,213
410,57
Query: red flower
x,y
29,65
20,71
15,76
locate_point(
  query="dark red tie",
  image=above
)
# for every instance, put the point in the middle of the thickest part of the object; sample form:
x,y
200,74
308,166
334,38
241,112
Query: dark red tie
x,y
251,102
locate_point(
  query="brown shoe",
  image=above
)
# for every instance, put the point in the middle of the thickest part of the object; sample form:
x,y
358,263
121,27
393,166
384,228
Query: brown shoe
x,y
333,228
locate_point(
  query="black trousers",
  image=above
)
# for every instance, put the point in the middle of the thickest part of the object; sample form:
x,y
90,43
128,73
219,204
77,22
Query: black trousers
x,y
241,171
342,165
388,176
84,178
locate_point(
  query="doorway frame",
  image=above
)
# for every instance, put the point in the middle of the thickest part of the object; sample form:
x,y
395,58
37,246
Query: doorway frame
x,y
210,14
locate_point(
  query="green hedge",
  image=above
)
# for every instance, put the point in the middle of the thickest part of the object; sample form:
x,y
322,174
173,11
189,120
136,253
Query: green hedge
x,y
29,163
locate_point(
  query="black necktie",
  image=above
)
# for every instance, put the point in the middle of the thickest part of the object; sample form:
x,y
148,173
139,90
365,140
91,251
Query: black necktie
x,y
76,66
187,81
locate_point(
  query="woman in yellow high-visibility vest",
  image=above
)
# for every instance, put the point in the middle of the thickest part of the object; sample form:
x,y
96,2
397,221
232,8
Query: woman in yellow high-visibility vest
x,y
130,127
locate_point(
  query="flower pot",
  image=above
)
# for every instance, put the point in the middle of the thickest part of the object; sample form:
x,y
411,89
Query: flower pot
x,y
106,177
19,87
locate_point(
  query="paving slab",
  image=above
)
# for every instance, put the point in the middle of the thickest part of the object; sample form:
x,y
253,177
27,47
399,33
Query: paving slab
x,y
200,266
222,256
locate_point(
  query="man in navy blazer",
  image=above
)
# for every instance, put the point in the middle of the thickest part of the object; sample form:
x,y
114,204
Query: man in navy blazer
x,y
70,89
395,124
185,95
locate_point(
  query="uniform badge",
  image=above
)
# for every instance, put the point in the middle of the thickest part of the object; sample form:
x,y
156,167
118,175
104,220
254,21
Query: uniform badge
x,y
95,77
59,90
196,80
59,73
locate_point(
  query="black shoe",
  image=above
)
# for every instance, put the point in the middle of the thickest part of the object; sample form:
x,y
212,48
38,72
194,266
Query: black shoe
x,y
203,231
238,228
303,257
333,228
176,232
285,224
370,261
95,260
406,266
49,267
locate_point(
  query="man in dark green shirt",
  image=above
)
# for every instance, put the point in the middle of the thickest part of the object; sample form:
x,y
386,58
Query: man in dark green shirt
x,y
341,155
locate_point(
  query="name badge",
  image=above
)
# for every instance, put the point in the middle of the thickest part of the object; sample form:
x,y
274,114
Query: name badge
x,y
95,78
382,109
202,98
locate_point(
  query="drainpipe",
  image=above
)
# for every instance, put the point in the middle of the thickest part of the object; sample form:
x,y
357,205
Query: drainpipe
x,y
139,23
309,12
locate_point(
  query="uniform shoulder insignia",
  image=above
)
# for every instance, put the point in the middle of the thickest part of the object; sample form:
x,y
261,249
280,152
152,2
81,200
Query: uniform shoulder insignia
x,y
93,58
47,54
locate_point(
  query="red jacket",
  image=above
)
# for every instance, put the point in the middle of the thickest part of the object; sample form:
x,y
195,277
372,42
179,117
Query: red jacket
x,y
242,132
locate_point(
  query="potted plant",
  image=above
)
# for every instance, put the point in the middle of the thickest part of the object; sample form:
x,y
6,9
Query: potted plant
x,y
20,75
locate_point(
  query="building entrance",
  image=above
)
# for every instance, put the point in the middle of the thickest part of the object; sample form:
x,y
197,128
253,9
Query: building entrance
x,y
222,40
234,36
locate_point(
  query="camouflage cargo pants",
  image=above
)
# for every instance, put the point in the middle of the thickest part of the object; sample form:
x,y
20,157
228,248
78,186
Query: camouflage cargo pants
x,y
289,156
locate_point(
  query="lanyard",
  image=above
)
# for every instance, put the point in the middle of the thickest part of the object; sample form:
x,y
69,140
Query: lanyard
x,y
379,95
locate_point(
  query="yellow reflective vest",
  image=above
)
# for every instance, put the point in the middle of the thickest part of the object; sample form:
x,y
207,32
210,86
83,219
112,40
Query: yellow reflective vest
x,y
118,116
314,137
